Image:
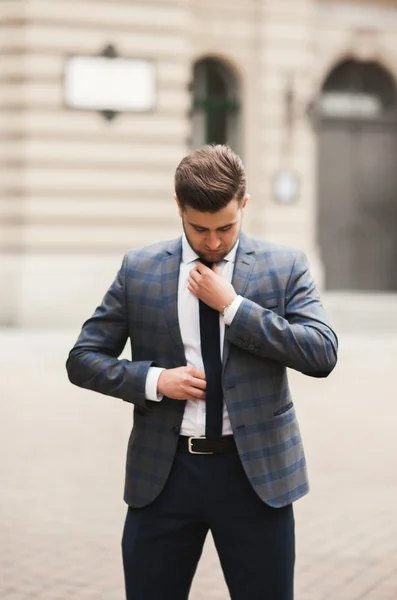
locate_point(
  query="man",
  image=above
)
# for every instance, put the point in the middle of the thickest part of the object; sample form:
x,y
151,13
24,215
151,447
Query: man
x,y
214,318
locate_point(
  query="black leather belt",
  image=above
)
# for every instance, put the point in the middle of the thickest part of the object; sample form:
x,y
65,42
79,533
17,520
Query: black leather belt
x,y
202,445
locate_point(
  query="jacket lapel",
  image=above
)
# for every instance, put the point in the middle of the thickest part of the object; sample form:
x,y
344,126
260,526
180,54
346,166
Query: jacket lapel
x,y
245,260
244,265
169,283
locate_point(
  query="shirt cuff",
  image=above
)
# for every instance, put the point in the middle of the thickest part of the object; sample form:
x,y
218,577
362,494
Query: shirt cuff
x,y
151,384
230,312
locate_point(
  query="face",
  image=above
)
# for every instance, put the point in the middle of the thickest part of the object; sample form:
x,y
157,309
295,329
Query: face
x,y
213,235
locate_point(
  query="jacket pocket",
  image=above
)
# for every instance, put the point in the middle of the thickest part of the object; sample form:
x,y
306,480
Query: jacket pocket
x,y
283,409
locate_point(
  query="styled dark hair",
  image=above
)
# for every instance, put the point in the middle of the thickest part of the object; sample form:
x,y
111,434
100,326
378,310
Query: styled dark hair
x,y
209,178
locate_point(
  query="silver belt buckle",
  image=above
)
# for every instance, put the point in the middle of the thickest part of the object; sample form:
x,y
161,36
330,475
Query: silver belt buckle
x,y
190,440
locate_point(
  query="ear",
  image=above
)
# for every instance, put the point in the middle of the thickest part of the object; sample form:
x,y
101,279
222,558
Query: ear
x,y
244,203
175,197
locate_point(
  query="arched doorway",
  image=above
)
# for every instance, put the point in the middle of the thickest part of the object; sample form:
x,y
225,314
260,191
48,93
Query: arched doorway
x,y
215,105
357,217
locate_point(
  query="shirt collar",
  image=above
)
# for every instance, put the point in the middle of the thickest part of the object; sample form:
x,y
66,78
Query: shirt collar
x,y
189,255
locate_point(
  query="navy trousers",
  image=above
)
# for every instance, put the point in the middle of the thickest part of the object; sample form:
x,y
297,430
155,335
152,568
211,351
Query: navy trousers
x,y
162,542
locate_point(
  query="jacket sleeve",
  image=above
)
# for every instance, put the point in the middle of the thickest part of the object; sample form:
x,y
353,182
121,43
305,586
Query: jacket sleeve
x,y
93,361
302,339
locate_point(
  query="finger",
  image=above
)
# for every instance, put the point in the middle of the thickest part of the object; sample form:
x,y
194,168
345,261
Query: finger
x,y
201,268
199,383
195,393
198,373
194,275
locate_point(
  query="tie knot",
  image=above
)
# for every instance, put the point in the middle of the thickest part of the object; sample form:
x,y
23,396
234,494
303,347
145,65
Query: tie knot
x,y
206,263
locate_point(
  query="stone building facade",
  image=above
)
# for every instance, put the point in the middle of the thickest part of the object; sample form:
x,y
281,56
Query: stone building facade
x,y
77,191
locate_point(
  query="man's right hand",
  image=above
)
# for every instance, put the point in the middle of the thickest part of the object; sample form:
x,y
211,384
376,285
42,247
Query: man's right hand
x,y
182,383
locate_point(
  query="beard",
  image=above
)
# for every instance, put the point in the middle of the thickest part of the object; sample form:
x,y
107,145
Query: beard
x,y
208,257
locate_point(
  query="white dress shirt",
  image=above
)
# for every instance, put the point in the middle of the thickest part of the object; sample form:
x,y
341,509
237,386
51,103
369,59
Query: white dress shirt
x,y
193,423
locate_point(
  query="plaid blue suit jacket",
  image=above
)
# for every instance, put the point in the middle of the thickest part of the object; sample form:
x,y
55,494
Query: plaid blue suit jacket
x,y
281,323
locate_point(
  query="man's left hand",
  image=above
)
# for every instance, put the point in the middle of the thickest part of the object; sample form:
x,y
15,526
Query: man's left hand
x,y
210,286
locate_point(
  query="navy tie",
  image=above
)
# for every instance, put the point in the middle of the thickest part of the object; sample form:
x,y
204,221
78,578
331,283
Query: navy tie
x,y
211,353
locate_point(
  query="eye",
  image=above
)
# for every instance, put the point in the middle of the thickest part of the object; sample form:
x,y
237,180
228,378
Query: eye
x,y
228,228
199,229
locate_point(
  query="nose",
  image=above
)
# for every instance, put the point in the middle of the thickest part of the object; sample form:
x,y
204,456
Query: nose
x,y
213,242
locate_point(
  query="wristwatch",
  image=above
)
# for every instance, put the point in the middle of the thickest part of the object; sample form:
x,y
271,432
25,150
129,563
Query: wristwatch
x,y
224,308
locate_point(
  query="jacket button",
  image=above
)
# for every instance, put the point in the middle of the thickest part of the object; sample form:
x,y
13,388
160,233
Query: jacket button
x,y
176,430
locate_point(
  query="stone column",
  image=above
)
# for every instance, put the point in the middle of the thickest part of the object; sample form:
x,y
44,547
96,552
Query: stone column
x,y
286,140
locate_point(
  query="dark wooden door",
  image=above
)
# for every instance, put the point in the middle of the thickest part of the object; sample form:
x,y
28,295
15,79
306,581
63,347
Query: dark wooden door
x,y
357,216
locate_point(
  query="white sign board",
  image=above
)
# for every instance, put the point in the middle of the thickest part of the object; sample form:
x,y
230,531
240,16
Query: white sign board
x,y
114,84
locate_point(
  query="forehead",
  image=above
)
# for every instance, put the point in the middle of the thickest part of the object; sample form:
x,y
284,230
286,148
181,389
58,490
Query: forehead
x,y
222,217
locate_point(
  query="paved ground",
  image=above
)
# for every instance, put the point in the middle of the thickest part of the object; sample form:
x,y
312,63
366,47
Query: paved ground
x,y
62,455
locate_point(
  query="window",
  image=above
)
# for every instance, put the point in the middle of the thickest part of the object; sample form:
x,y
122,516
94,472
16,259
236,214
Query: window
x,y
215,105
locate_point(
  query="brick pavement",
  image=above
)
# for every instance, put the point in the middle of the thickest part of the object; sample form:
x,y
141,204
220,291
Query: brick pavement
x,y
62,465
